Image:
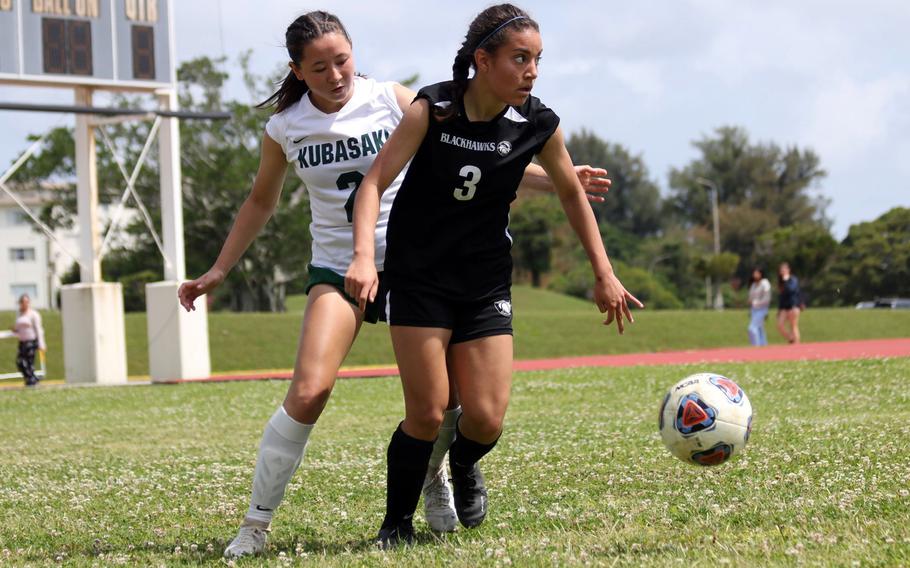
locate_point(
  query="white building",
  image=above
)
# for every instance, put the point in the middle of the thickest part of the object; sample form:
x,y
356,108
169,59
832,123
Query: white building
x,y
26,258
31,262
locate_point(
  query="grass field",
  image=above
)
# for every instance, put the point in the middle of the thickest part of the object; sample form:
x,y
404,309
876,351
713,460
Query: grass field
x,y
159,475
546,325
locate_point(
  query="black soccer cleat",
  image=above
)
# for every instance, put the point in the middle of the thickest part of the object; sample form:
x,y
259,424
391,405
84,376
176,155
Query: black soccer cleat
x,y
470,495
393,536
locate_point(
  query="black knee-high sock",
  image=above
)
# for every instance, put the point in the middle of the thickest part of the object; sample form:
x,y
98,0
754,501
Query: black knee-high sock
x,y
465,452
407,466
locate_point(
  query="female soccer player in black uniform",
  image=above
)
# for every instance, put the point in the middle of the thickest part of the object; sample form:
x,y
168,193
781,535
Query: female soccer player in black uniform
x,y
448,264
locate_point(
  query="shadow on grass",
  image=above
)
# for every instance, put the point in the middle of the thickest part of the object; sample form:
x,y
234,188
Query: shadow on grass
x,y
319,546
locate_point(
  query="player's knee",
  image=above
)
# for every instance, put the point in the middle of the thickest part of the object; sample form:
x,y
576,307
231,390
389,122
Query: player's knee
x,y
425,421
486,423
308,398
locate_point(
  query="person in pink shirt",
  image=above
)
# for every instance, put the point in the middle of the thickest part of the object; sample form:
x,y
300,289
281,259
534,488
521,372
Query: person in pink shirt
x,y
31,338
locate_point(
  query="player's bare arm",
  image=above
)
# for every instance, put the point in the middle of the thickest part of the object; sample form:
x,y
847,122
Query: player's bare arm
x,y
251,218
361,281
609,294
593,181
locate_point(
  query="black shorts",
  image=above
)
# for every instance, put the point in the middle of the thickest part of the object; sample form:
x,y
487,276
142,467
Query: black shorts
x,y
468,319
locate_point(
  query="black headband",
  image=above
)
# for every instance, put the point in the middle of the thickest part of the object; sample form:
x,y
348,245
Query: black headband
x,y
502,25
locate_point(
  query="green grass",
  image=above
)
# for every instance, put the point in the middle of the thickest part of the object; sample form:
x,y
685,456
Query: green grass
x,y
159,475
546,325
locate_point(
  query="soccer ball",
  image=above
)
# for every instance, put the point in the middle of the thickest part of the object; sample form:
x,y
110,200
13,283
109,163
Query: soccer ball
x,y
705,419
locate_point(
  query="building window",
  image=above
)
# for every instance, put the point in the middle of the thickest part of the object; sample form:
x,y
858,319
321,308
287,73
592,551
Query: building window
x,y
16,217
31,290
21,254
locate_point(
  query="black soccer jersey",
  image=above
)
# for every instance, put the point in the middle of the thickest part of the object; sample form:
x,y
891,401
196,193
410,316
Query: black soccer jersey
x,y
448,229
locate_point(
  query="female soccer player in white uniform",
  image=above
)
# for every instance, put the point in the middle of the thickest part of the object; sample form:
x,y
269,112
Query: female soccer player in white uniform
x,y
330,124
448,265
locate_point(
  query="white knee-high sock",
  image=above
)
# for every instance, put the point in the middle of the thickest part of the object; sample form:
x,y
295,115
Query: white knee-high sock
x,y
446,436
280,453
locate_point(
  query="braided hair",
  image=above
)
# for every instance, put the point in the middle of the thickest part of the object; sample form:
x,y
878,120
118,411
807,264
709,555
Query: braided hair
x,y
487,32
302,31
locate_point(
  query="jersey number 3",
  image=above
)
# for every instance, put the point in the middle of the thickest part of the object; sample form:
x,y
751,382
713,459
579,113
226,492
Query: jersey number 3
x,y
471,176
346,181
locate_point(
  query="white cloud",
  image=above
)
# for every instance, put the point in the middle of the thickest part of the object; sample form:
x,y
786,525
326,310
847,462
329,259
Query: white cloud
x,y
638,77
849,118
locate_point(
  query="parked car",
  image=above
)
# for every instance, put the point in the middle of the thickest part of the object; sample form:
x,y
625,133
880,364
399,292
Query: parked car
x,y
892,303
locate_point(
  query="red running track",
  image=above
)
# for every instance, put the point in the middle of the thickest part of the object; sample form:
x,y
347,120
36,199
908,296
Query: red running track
x,y
829,351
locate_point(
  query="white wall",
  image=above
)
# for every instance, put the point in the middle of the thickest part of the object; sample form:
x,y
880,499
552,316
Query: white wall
x,y
17,276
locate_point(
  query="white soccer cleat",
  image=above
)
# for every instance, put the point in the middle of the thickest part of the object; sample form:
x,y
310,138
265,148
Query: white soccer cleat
x,y
250,540
438,505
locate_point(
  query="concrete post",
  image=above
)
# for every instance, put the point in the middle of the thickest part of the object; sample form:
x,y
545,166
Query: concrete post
x,y
94,344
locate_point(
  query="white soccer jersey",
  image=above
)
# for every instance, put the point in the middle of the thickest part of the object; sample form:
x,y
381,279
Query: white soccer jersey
x,y
331,154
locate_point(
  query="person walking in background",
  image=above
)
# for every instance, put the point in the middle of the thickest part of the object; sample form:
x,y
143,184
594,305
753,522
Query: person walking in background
x,y
759,302
31,338
789,304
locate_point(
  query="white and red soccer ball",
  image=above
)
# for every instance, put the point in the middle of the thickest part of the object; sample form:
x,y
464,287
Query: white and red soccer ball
x,y
705,419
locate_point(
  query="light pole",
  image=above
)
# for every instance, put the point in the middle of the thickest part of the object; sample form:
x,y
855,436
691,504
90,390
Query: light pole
x,y
718,297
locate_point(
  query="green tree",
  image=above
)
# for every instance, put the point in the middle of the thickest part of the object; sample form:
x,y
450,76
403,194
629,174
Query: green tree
x,y
672,258
633,204
761,187
873,261
762,176
807,248
531,223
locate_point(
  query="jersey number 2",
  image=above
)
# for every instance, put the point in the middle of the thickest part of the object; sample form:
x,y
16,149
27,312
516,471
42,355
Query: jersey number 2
x,y
471,176
346,181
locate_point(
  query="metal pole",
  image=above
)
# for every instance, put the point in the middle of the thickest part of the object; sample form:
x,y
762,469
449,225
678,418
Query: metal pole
x,y
716,220
712,187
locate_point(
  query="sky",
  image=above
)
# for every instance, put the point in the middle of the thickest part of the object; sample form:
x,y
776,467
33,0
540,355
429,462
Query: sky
x,y
653,75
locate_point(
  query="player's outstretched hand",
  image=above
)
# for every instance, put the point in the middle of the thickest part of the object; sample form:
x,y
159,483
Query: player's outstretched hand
x,y
189,291
594,182
613,299
362,281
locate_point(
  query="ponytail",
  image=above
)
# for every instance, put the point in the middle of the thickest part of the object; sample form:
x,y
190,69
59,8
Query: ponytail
x,y
289,92
460,68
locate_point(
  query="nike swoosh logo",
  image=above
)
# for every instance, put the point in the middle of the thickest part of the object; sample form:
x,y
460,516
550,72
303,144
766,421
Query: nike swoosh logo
x,y
298,141
258,508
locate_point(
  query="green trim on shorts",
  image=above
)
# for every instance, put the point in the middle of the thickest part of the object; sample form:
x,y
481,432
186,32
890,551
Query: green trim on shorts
x,y
320,275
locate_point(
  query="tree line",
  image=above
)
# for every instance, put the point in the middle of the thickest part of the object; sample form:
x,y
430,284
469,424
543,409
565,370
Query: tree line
x,y
770,208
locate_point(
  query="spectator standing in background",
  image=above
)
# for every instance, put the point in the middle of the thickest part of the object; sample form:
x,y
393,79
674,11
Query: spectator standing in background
x,y
31,338
789,305
759,302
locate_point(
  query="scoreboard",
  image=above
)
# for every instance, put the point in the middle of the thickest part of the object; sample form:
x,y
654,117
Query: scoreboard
x,y
113,44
